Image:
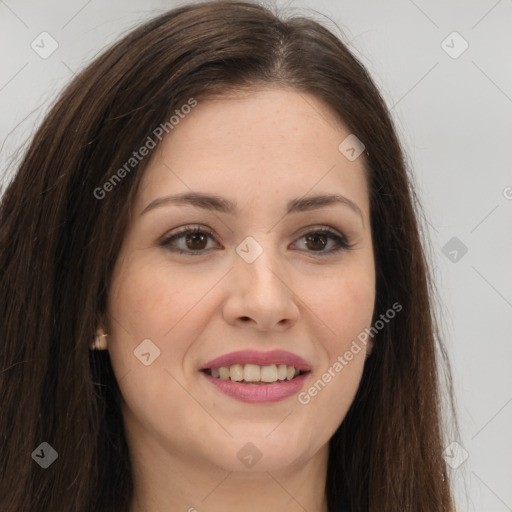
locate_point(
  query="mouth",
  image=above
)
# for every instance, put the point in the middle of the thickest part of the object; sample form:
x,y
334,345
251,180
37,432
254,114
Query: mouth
x,y
255,374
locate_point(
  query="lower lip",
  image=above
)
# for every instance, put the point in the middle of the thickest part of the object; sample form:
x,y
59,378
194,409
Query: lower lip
x,y
259,392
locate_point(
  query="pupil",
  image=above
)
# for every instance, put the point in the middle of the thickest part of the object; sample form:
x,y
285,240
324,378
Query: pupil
x,y
195,238
315,238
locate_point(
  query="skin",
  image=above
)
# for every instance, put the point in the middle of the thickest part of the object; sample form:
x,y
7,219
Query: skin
x,y
260,149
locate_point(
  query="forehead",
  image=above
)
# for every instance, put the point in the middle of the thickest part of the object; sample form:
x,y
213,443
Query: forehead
x,y
273,139
269,116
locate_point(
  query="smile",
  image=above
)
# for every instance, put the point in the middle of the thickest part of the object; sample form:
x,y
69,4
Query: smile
x,y
253,376
253,373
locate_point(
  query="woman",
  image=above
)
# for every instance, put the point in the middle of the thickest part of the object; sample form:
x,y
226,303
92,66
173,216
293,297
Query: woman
x,y
214,289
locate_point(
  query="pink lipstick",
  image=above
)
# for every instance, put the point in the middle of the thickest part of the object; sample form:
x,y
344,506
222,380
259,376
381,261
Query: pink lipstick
x,y
259,358
253,376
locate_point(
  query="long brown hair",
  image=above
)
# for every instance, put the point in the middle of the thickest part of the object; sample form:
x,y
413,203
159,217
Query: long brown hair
x,y
59,243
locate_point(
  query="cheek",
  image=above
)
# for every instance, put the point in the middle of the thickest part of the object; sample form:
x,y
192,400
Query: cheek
x,y
150,299
345,308
345,304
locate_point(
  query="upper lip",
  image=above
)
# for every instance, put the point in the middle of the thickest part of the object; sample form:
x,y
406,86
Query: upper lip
x,y
260,358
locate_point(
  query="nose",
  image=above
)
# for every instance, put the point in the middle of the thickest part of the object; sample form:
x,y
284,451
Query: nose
x,y
261,295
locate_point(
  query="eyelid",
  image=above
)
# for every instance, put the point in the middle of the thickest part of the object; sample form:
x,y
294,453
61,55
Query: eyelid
x,y
184,230
340,238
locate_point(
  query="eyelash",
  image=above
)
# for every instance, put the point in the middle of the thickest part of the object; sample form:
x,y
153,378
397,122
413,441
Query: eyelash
x,y
343,243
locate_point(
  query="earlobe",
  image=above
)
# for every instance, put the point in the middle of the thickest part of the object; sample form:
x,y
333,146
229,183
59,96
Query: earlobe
x,y
100,341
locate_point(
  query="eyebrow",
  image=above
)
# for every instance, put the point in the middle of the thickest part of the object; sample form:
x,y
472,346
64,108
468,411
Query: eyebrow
x,y
222,205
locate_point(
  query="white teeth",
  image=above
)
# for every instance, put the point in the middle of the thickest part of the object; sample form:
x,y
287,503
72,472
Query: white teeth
x,y
269,373
224,373
236,372
252,373
281,372
255,373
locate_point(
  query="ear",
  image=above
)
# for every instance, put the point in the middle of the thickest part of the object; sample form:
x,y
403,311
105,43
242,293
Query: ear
x,y
369,348
102,326
99,342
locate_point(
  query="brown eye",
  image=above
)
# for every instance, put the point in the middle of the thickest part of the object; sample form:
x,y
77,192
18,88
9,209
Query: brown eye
x,y
191,240
195,241
316,241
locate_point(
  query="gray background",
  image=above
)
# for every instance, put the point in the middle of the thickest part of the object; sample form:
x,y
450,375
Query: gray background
x,y
454,118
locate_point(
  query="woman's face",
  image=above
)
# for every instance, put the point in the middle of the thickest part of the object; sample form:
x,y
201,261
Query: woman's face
x,y
259,278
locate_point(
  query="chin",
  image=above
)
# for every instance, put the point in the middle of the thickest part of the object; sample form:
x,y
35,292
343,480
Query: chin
x,y
262,452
